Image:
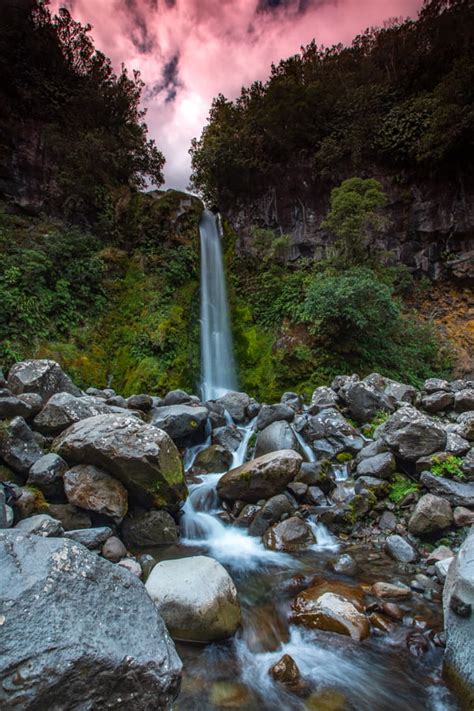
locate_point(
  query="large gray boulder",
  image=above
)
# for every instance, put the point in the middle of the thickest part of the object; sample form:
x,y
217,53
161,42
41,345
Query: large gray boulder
x,y
322,398
63,409
458,604
78,632
93,489
228,437
432,514
278,435
436,402
196,598
141,456
44,377
291,535
410,434
270,513
464,400
260,478
274,413
149,528
11,406
330,428
458,493
381,466
364,401
182,422
236,405
18,447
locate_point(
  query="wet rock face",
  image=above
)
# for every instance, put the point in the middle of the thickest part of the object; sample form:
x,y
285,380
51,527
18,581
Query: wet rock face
x,y
260,478
236,405
333,608
431,515
18,447
289,536
286,671
183,423
93,489
276,436
270,513
458,604
213,460
44,377
130,651
410,434
141,456
458,493
274,413
364,401
381,466
196,598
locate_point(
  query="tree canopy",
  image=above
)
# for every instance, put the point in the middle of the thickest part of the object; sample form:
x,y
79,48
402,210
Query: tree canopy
x,y
400,96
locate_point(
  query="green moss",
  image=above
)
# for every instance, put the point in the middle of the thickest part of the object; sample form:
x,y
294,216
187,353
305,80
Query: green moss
x,y
400,487
41,505
344,457
449,466
379,419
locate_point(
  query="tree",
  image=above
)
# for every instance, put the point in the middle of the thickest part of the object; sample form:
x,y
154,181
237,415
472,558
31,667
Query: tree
x,y
355,220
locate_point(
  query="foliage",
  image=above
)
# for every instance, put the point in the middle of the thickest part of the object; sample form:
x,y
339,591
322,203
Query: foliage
x,y
50,281
355,219
268,245
401,487
400,96
450,466
378,419
59,93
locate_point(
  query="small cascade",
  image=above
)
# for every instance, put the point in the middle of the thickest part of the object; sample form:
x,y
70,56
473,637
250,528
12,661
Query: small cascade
x,y
217,358
306,449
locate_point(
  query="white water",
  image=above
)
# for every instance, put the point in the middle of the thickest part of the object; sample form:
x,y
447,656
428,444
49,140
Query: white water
x,y
306,449
217,358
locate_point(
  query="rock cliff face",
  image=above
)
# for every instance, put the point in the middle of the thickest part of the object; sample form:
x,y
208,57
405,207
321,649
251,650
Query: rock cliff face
x,y
431,222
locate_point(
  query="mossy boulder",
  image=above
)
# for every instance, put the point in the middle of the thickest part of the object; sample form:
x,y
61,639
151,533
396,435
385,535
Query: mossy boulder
x,y
141,456
260,478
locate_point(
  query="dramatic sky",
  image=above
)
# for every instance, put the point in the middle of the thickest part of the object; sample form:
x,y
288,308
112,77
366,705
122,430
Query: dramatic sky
x,y
190,50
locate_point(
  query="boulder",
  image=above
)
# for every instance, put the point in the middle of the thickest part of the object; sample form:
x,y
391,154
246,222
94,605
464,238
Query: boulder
x,y
457,445
183,423
236,405
465,426
458,605
293,400
458,493
176,397
92,635
228,437
433,385
410,434
70,516
93,489
140,402
464,400
278,435
40,525
291,535
132,565
399,549
213,460
270,513
63,409
274,413
286,671
364,401
47,474
11,406
18,447
381,466
322,398
432,514
371,450
437,402
329,433
378,487
141,456
332,611
388,590
150,528
44,377
260,478
463,516
196,598
92,538
400,392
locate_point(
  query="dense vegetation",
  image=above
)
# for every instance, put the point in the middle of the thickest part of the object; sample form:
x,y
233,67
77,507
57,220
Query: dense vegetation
x,y
401,96
72,125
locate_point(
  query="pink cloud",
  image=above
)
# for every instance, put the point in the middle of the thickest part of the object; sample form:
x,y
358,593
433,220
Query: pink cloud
x,y
188,51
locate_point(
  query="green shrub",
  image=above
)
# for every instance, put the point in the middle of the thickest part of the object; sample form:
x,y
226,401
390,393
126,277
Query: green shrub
x,y
449,467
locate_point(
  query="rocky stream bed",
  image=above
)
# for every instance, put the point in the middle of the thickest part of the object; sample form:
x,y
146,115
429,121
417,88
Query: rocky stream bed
x,y
169,553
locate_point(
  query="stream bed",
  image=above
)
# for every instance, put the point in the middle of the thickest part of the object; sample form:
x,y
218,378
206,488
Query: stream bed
x,y
390,671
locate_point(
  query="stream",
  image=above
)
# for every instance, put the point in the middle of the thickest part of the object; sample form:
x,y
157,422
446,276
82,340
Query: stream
x,y
379,674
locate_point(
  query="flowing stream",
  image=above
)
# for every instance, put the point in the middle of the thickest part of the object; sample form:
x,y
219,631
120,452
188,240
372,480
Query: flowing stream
x,y
217,357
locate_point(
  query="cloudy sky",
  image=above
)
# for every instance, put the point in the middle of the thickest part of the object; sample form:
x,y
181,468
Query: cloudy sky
x,y
190,50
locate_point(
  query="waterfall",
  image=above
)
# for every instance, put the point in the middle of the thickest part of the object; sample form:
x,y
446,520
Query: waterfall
x,y
217,358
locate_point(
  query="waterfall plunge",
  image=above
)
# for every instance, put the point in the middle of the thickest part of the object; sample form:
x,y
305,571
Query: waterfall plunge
x,y
217,358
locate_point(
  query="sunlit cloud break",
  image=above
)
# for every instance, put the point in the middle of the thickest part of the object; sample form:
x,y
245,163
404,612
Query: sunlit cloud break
x,y
188,51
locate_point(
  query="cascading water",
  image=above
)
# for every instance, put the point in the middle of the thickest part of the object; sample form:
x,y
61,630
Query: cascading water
x,y
217,358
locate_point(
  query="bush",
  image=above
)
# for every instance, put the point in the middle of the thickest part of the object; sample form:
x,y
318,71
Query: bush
x,y
449,467
400,487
